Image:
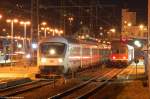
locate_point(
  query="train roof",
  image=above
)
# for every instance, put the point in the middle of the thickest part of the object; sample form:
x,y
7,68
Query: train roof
x,y
68,40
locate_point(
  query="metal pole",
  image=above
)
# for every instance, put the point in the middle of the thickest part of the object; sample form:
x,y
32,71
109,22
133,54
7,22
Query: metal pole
x,y
38,33
25,36
12,35
53,32
45,32
136,70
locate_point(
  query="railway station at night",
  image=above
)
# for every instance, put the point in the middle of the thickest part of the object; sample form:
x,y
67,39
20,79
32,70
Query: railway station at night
x,y
74,49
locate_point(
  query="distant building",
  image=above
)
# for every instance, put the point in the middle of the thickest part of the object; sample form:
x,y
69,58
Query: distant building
x,y
130,29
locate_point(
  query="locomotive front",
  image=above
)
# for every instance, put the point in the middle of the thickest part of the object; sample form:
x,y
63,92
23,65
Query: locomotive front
x,y
51,57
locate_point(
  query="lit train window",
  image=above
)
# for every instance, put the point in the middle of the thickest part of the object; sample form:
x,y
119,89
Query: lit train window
x,y
52,49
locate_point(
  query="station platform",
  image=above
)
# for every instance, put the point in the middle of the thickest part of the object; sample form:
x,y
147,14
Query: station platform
x,y
133,71
18,71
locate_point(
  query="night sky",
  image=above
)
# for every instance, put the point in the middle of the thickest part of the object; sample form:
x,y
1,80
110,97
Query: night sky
x,y
52,15
140,6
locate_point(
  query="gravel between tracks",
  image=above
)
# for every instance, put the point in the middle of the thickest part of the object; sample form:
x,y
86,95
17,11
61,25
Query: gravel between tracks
x,y
128,90
50,90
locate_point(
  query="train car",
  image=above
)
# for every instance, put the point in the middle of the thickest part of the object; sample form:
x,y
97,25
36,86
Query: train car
x,y
122,54
60,55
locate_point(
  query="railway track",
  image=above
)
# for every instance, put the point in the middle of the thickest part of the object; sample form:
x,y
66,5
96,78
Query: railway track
x,y
19,89
87,88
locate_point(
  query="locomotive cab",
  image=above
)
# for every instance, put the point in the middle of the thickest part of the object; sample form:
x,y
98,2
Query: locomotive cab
x,y
51,57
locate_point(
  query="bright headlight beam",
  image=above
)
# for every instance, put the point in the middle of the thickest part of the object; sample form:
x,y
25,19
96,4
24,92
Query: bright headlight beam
x,y
43,60
60,60
52,51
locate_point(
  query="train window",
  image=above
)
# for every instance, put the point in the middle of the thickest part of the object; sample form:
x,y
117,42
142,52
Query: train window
x,y
86,51
75,51
52,49
115,51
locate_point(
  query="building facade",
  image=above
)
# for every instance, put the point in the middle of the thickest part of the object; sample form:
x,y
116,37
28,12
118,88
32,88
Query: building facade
x,y
130,29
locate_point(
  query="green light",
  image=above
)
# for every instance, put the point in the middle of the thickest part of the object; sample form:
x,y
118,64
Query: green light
x,y
137,43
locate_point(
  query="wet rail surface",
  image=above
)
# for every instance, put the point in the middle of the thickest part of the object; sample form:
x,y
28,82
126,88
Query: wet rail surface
x,y
87,88
15,90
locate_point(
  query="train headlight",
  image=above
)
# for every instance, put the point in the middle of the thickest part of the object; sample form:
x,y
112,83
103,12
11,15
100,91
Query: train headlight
x,y
43,60
28,56
52,51
124,57
60,60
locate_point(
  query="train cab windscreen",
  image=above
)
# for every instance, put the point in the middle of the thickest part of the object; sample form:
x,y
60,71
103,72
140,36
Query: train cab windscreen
x,y
119,50
52,49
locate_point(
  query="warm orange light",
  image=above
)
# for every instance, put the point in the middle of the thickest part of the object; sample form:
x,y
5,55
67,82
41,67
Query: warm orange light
x,y
141,26
21,22
113,30
124,57
125,22
8,20
42,28
61,31
15,20
129,24
47,28
51,30
44,23
56,30
27,22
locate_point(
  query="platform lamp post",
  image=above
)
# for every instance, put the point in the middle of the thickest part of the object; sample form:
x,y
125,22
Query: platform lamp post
x,y
25,23
45,30
44,27
12,21
113,33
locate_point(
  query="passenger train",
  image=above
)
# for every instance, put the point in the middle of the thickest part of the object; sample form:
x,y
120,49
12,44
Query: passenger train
x,y
61,55
121,55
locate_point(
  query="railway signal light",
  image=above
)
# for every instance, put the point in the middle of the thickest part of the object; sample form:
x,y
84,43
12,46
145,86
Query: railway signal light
x,y
34,45
137,43
124,39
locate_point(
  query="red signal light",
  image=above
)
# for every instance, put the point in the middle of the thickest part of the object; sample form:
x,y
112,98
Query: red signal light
x,y
114,57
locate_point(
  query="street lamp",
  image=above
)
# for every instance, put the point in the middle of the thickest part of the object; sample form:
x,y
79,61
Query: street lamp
x,y
129,24
25,33
45,30
60,32
44,23
113,30
141,30
141,26
70,19
12,21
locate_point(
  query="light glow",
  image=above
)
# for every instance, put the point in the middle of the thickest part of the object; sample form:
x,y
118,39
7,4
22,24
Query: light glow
x,y
34,46
52,52
19,46
124,57
114,57
60,60
28,56
43,60
137,43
